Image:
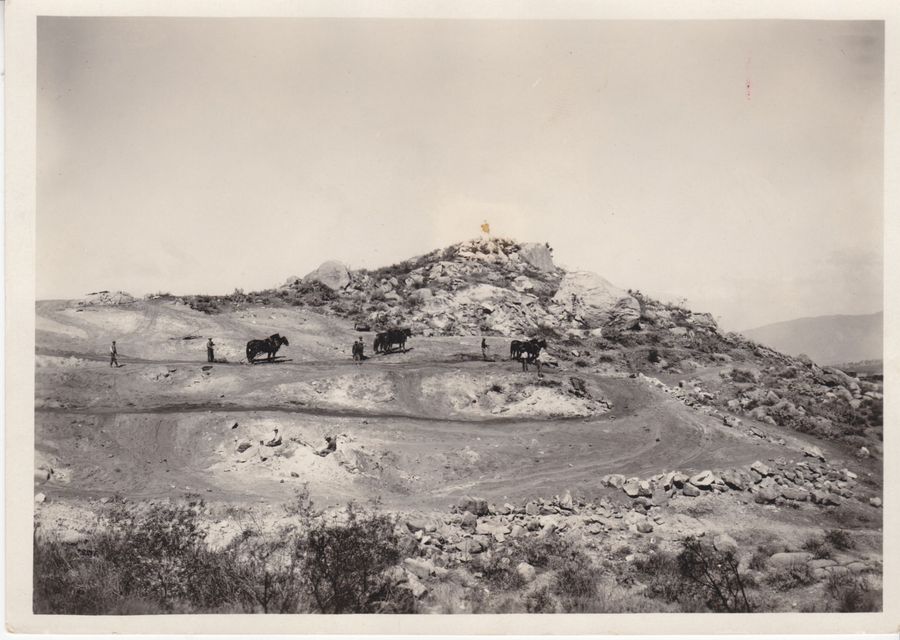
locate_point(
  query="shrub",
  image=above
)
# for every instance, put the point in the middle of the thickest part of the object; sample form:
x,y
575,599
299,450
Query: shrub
x,y
345,564
818,547
576,583
716,574
653,356
790,577
840,539
759,560
499,572
852,594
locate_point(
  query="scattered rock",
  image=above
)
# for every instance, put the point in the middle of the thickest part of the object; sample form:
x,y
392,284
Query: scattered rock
x,y
766,495
632,487
477,506
862,452
760,468
419,567
416,524
814,452
415,585
875,502
690,490
644,527
40,498
703,479
794,493
734,479
525,571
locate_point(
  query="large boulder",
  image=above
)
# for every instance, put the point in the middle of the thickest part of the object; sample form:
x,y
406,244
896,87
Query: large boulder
x,y
331,274
597,301
538,256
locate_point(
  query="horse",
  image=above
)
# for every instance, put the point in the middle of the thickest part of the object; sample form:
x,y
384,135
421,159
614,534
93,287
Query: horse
x,y
515,349
386,340
269,346
533,347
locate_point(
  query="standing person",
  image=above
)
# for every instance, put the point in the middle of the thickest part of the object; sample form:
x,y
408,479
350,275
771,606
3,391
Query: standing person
x,y
362,350
484,348
523,356
355,351
112,354
210,356
540,360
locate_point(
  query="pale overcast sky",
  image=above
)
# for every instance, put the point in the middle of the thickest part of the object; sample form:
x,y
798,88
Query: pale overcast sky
x,y
735,164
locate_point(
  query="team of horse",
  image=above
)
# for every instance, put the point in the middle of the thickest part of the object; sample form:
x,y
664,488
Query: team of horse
x,y
385,341
529,349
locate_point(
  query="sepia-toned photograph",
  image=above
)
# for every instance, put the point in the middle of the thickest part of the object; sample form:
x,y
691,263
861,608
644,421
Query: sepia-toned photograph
x,y
377,315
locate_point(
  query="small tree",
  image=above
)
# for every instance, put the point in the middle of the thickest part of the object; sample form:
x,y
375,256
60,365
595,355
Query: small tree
x,y
716,573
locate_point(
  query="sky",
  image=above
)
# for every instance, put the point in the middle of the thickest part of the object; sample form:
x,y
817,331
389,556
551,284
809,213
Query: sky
x,y
737,164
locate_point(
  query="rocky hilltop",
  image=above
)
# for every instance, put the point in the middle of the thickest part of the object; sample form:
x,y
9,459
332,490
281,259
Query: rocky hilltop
x,y
490,286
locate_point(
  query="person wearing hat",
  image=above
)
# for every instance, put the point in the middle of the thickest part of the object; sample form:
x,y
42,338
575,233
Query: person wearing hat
x,y
112,354
330,447
210,357
275,441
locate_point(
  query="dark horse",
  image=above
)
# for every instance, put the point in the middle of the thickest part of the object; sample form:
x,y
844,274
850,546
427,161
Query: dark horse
x,y
386,340
528,348
533,347
269,346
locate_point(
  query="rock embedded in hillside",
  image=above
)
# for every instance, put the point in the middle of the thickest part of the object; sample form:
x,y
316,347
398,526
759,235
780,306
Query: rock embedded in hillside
x,y
725,543
789,558
598,302
331,274
538,256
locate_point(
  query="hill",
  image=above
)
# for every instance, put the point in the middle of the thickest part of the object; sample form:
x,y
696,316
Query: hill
x,y
826,339
648,420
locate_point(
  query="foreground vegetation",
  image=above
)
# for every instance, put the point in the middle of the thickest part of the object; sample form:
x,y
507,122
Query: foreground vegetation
x,y
154,558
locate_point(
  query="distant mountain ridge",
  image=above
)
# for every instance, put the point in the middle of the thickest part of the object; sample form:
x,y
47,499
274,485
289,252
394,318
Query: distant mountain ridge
x,y
826,339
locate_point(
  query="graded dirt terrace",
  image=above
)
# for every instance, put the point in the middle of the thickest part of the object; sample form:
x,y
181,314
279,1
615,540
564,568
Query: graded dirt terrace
x,y
416,429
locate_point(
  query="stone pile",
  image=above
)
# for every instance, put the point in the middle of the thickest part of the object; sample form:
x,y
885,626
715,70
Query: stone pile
x,y
809,480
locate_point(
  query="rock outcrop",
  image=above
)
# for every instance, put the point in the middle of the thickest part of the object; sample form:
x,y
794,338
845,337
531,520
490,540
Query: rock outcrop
x,y
331,274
